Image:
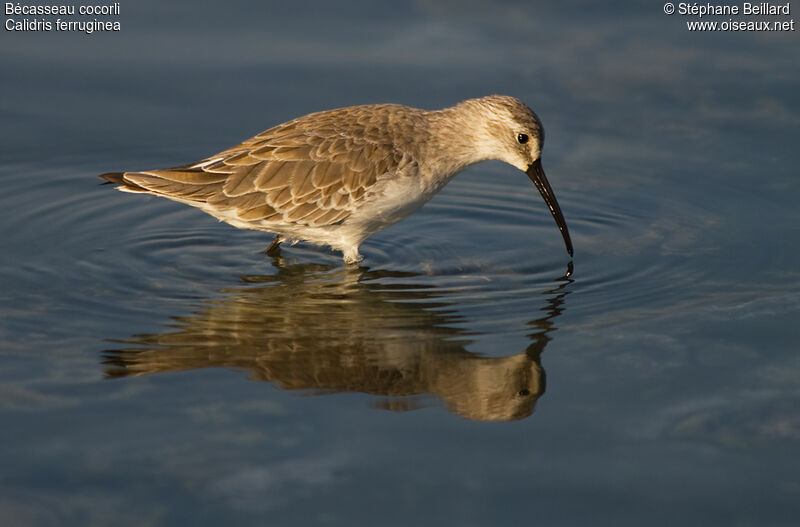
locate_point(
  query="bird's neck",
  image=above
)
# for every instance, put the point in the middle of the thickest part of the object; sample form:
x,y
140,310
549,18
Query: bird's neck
x,y
457,139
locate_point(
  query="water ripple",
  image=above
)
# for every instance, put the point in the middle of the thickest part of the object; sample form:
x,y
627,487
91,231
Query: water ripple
x,y
487,240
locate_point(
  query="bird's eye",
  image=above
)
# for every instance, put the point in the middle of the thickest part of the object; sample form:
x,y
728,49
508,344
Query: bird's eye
x,y
522,138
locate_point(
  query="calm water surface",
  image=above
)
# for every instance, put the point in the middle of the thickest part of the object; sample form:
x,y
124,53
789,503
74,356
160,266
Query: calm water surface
x,y
157,369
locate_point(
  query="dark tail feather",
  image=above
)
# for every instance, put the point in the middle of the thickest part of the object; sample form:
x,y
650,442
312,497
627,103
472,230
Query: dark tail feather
x,y
118,178
113,177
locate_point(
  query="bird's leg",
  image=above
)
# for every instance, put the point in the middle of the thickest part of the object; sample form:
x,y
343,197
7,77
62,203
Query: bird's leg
x,y
274,247
351,255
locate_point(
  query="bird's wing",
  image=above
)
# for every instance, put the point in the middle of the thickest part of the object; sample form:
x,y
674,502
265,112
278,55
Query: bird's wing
x,y
310,171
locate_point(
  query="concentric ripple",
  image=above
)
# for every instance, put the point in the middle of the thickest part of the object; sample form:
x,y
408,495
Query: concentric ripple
x,y
486,243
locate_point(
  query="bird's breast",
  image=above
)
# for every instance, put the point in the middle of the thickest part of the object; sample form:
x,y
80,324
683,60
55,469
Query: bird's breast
x,y
395,198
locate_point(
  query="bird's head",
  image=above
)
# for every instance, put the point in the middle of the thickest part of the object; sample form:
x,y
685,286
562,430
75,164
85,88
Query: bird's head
x,y
510,131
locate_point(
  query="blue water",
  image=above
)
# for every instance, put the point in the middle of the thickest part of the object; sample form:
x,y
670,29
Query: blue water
x,y
157,369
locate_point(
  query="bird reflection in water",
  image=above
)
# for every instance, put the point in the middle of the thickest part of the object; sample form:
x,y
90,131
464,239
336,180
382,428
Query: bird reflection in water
x,y
327,329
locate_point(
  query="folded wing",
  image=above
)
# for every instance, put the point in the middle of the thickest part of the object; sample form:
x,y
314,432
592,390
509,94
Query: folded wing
x,y
304,172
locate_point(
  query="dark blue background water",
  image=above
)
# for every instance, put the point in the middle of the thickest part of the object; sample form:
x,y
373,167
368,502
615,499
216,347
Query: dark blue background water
x,y
136,331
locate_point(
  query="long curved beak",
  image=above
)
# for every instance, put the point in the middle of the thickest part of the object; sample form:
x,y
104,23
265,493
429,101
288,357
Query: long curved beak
x,y
536,173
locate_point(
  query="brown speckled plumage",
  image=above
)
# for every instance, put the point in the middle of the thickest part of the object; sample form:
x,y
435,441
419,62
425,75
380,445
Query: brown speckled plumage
x,y
336,177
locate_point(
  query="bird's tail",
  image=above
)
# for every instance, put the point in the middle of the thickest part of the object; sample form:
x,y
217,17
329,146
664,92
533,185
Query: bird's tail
x,y
125,185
